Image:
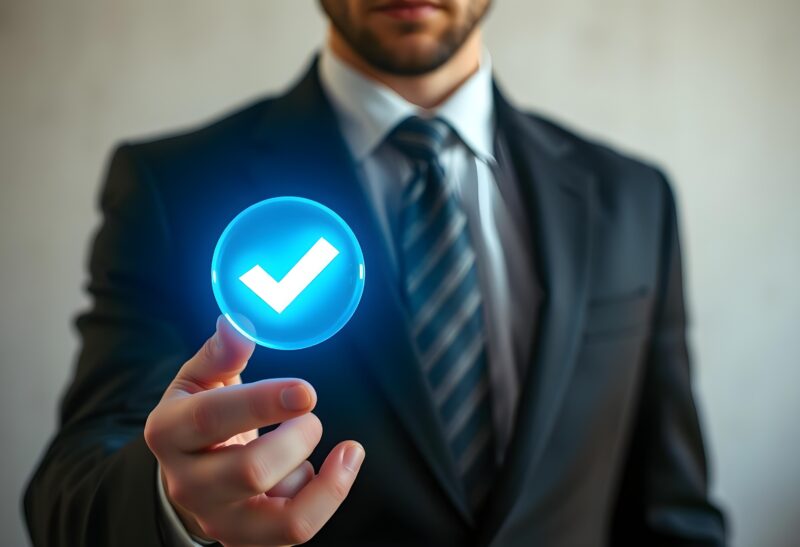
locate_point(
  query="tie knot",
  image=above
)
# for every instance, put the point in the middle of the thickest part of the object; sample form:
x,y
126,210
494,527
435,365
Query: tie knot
x,y
419,138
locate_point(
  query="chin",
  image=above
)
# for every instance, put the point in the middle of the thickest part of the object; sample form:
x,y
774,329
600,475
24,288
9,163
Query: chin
x,y
414,44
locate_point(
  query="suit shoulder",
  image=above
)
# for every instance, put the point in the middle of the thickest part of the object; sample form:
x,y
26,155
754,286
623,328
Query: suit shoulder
x,y
618,173
204,140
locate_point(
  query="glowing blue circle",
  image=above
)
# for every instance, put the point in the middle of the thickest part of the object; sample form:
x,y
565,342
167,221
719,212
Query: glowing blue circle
x,y
288,273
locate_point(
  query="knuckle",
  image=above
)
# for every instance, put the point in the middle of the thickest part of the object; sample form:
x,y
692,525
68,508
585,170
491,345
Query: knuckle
x,y
338,489
207,352
259,408
154,433
204,419
311,430
256,475
297,529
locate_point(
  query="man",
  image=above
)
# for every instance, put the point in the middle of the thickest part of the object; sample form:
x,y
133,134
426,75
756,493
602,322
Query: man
x,y
517,369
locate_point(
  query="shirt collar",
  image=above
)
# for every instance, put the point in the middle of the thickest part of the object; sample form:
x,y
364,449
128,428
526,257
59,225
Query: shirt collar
x,y
368,110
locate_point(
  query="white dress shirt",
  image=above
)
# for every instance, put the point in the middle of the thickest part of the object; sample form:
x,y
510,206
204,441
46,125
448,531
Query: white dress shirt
x,y
367,112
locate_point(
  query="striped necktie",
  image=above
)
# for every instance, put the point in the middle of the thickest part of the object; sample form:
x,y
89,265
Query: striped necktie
x,y
444,302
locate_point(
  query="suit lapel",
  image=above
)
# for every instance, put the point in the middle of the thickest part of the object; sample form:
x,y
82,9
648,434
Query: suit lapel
x,y
560,199
301,152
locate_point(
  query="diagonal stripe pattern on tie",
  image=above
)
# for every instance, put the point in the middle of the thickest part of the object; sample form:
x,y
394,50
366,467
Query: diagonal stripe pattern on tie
x,y
444,300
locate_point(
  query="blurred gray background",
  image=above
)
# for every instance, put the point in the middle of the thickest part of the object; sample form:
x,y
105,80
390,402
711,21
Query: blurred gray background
x,y
710,89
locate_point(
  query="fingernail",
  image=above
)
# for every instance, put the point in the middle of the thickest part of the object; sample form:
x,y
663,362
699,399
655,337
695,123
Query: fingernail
x,y
296,397
353,456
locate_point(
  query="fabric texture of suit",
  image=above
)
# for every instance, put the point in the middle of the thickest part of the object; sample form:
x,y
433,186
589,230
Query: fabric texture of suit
x,y
606,448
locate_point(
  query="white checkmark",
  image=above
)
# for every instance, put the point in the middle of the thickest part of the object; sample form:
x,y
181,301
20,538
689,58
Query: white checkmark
x,y
279,294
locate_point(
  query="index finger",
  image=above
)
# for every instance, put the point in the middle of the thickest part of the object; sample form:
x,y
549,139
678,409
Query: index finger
x,y
211,417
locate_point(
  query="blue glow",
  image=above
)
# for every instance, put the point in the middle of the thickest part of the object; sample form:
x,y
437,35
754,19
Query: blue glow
x,y
274,235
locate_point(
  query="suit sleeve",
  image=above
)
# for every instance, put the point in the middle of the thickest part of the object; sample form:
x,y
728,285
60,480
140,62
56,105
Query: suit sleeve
x,y
664,498
96,484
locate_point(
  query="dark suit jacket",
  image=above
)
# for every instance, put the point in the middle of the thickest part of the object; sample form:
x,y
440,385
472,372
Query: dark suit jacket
x,y
607,447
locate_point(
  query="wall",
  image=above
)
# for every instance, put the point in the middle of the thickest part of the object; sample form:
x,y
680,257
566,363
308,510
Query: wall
x,y
709,89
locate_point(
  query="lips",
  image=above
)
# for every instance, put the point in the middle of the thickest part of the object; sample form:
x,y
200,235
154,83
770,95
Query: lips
x,y
408,10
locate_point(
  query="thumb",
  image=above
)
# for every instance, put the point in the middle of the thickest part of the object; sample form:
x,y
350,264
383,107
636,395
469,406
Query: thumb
x,y
221,358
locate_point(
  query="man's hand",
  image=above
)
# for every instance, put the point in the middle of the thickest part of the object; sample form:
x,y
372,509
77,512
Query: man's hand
x,y
227,483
